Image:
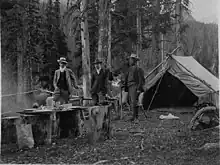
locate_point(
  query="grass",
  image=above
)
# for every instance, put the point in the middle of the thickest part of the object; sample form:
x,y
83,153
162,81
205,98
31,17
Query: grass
x,y
159,143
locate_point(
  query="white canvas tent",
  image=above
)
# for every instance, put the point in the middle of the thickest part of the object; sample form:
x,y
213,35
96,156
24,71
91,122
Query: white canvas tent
x,y
182,77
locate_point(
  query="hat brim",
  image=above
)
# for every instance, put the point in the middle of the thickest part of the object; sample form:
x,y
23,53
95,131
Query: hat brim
x,y
61,61
97,62
135,58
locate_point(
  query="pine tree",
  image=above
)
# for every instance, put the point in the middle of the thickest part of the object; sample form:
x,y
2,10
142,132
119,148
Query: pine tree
x,y
33,23
49,44
54,44
62,48
12,48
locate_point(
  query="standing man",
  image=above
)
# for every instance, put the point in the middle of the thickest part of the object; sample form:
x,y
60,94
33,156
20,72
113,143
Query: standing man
x,y
99,82
64,81
134,82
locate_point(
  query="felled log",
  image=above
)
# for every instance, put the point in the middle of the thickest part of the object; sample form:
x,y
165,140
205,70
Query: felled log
x,y
204,118
8,126
208,146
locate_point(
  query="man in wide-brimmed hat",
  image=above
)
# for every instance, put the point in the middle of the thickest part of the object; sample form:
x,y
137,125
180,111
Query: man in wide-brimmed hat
x,y
64,81
99,82
134,81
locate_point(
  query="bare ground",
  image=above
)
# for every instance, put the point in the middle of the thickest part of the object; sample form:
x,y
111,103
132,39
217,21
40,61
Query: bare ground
x,y
152,141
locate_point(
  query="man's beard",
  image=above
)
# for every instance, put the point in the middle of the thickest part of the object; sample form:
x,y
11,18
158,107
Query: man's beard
x,y
98,67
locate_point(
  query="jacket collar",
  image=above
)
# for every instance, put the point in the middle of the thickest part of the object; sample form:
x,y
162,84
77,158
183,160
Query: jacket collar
x,y
98,71
62,69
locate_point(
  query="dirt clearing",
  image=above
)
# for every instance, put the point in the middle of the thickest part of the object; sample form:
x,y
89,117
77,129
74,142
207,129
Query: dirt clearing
x,y
152,141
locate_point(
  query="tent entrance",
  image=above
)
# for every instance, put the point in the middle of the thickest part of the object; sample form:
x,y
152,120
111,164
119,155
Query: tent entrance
x,y
171,93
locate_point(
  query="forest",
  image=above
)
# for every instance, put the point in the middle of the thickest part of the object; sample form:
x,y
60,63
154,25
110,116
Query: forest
x,y
35,33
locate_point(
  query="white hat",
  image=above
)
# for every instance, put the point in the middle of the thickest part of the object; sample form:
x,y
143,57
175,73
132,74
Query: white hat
x,y
62,60
134,56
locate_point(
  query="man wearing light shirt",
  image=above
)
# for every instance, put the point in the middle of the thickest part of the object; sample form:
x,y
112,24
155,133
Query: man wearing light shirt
x,y
64,81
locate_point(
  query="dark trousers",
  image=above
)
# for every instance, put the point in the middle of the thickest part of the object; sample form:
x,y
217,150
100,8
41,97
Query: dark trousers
x,y
61,95
98,98
133,99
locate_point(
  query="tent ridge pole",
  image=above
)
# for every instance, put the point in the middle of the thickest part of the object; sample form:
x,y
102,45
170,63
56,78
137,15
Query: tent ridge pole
x,y
168,55
156,68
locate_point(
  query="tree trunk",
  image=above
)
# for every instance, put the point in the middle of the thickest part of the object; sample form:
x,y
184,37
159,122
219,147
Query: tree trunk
x,y
67,4
103,30
109,39
179,52
139,37
162,48
27,80
20,74
85,51
155,35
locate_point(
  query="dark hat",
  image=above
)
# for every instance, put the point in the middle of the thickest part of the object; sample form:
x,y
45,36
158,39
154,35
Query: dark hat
x,y
62,60
97,61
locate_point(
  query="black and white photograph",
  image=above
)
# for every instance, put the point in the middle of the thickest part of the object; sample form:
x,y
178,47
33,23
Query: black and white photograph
x,y
109,82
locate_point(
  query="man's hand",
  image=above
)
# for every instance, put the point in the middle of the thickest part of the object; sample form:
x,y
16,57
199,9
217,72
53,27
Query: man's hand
x,y
107,96
79,87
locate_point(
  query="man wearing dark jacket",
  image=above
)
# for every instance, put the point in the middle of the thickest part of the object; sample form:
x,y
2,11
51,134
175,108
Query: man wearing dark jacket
x,y
64,81
134,82
99,82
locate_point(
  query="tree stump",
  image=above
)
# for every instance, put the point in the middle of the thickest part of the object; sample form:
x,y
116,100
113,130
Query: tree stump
x,y
69,123
99,123
8,126
41,127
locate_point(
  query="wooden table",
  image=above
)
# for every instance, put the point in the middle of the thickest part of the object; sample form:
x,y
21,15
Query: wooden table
x,y
69,122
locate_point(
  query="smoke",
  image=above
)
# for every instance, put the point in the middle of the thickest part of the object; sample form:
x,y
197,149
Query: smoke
x,y
8,81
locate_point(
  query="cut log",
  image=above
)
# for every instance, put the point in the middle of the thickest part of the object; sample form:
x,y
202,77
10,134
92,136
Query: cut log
x,y
41,127
70,123
8,126
24,136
